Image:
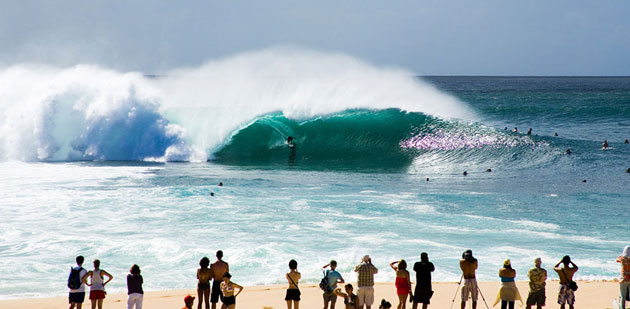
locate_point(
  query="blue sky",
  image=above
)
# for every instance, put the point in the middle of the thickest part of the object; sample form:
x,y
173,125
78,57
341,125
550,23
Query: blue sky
x,y
426,37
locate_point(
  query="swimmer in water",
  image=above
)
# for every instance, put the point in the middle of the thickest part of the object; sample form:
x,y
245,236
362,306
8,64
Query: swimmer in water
x,y
556,134
529,132
605,144
515,130
568,151
465,173
627,142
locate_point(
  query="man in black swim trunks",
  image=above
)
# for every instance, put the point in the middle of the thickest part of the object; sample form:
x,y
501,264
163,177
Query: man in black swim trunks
x,y
219,268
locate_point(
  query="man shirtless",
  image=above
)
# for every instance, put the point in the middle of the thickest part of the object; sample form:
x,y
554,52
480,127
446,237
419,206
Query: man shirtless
x,y
468,265
218,269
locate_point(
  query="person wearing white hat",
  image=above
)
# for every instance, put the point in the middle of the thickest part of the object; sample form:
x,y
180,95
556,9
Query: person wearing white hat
x,y
537,277
365,281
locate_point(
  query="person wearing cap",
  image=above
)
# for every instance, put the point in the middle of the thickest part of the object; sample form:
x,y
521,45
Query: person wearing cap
x,y
537,276
508,293
365,281
565,274
189,301
468,264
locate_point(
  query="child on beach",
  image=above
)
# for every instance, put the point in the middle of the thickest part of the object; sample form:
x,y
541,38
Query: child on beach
x,y
403,282
227,288
97,286
293,292
204,275
134,288
624,283
189,301
349,298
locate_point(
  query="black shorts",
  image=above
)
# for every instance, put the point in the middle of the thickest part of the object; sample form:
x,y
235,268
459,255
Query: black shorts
x,y
293,294
216,292
229,300
536,298
422,295
203,286
77,297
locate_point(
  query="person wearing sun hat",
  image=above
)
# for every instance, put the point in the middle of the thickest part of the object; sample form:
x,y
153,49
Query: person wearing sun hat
x,y
508,293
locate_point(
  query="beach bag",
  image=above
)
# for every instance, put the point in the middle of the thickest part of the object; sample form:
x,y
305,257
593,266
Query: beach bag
x,y
74,280
323,284
572,284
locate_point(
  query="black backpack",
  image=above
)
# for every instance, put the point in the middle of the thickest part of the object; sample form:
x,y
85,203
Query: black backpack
x,y
74,280
324,284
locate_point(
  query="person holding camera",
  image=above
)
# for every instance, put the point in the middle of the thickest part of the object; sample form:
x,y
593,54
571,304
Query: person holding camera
x,y
468,265
365,282
567,286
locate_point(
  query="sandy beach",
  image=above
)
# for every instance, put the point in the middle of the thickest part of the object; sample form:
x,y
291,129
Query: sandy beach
x,y
591,294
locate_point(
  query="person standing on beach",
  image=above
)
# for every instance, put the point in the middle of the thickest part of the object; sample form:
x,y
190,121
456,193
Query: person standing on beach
x,y
218,269
227,290
423,290
508,293
97,285
204,275
624,283
365,282
468,264
537,276
333,278
349,299
77,289
565,273
134,288
403,282
293,292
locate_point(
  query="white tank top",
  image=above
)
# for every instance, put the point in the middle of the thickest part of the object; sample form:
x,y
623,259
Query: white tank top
x,y
97,281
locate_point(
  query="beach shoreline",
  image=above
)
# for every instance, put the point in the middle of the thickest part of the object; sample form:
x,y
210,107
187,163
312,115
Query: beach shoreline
x,y
591,294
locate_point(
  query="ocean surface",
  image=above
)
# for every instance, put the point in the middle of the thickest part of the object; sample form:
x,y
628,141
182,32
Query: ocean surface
x,y
121,167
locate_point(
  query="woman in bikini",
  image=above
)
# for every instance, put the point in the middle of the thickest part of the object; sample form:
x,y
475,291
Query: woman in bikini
x,y
227,288
349,299
403,283
204,274
293,292
96,284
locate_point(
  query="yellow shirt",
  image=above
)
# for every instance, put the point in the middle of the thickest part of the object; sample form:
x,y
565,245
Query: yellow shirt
x,y
468,268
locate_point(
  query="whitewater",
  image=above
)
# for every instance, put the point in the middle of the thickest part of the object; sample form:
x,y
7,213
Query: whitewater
x,y
125,168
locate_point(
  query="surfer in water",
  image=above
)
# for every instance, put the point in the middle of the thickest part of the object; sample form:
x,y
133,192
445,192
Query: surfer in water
x,y
626,141
290,142
515,130
529,132
605,144
568,151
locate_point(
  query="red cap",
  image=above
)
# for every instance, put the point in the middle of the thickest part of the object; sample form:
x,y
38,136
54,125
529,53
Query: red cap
x,y
188,298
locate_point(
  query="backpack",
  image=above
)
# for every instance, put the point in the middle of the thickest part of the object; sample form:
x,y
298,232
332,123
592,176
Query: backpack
x,y
74,280
324,284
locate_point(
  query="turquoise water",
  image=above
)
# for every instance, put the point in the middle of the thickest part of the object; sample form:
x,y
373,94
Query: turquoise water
x,y
355,184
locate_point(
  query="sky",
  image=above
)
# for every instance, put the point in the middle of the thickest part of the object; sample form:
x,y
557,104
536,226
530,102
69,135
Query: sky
x,y
426,37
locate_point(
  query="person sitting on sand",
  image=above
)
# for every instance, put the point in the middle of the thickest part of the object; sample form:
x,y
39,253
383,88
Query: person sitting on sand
x,y
189,301
349,299
97,286
385,304
403,282
468,264
204,275
423,290
624,283
537,276
508,293
333,278
134,288
605,144
218,269
365,281
293,292
227,289
565,273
